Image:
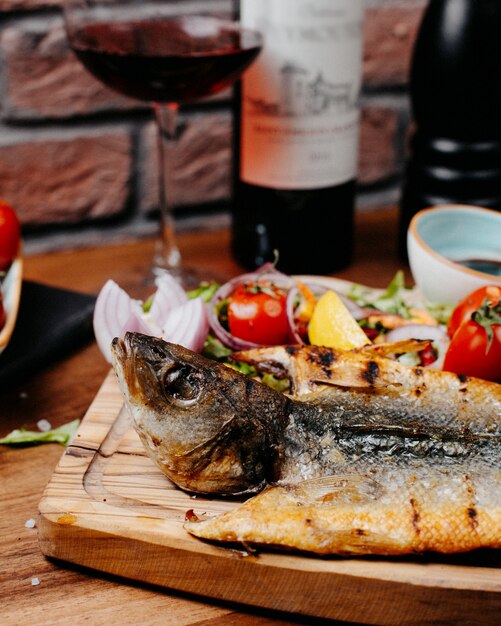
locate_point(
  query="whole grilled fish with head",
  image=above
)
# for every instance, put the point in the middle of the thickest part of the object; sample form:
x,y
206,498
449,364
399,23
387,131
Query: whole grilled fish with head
x,y
394,479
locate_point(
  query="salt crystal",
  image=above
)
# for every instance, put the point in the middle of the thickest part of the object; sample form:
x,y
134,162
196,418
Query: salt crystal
x,y
44,426
35,581
30,523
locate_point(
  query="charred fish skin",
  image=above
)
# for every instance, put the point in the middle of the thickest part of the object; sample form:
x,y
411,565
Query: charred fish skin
x,y
330,431
392,511
208,428
384,387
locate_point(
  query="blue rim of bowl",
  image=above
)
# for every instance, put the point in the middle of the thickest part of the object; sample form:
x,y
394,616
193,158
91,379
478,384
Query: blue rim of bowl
x,y
444,208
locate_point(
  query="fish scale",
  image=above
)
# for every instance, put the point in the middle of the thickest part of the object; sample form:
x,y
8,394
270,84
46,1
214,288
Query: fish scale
x,y
371,457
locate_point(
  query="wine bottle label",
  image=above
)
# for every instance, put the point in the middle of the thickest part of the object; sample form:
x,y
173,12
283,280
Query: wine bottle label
x,y
300,115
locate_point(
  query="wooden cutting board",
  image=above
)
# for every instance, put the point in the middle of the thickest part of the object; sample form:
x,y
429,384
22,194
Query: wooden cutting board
x,y
108,507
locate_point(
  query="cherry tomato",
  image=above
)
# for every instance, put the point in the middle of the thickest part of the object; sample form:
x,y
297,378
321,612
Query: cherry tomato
x,y
258,313
470,304
469,354
475,327
10,234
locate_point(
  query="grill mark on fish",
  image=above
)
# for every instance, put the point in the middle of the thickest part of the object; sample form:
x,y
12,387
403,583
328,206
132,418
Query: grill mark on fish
x,y
371,373
323,359
472,508
415,516
472,514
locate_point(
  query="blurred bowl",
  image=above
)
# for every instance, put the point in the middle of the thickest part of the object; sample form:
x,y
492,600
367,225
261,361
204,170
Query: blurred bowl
x,y
452,251
11,293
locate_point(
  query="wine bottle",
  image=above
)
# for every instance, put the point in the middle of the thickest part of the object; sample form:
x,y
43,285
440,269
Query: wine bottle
x,y
455,88
296,135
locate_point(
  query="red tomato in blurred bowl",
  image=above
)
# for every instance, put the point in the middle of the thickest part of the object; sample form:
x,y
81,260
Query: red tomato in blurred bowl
x,y
10,235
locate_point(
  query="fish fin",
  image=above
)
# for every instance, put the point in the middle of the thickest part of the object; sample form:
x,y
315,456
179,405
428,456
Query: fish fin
x,y
337,487
391,349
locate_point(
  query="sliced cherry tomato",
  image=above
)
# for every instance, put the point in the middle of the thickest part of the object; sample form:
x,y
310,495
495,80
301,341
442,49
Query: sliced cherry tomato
x,y
427,356
258,313
475,348
470,304
10,234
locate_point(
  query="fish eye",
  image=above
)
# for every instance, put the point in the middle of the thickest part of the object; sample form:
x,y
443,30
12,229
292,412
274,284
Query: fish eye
x,y
182,385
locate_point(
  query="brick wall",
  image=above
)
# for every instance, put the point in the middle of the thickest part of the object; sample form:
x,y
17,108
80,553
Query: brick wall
x,y
78,161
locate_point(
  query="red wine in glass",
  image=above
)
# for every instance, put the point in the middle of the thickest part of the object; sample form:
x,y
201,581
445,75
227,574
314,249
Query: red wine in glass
x,y
166,61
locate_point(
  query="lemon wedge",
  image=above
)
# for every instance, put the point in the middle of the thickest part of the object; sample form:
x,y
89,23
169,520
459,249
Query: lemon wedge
x,y
333,326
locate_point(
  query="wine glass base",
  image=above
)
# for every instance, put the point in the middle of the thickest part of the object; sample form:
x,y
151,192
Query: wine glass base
x,y
188,278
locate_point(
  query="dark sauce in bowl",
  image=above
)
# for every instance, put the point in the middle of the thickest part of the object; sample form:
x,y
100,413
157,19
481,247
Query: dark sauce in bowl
x,y
487,266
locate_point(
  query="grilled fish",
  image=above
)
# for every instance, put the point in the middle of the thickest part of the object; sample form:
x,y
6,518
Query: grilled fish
x,y
402,461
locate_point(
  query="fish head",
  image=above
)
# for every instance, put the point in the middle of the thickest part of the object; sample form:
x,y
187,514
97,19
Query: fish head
x,y
209,428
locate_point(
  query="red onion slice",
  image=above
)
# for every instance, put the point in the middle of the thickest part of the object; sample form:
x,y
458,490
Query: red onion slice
x,y
137,323
436,334
113,309
415,331
168,296
291,298
187,325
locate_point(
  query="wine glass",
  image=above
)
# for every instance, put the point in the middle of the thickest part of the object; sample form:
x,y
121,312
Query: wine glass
x,y
166,54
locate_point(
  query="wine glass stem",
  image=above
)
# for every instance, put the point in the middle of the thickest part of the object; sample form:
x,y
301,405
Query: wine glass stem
x,y
167,255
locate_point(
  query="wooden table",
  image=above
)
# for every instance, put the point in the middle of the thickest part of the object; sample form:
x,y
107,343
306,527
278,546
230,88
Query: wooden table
x,y
62,392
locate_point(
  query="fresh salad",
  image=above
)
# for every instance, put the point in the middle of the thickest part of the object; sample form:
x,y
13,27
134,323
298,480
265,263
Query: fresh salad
x,y
267,307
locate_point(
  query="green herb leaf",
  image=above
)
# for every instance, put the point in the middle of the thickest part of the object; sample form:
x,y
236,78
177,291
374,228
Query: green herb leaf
x,y
487,315
393,300
205,291
279,384
215,349
441,313
147,304
63,435
243,368
221,310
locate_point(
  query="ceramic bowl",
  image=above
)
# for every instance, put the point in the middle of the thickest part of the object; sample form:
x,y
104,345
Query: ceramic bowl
x,y
11,294
442,239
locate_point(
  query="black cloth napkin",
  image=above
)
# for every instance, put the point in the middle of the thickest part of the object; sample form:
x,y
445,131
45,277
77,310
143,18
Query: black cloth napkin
x,y
51,323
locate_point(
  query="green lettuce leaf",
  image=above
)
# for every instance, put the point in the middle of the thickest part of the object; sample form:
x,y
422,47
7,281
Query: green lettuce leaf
x,y
205,291
215,349
63,435
393,300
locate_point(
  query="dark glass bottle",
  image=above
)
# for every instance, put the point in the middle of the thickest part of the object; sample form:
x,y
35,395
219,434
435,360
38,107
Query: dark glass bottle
x,y
455,91
296,136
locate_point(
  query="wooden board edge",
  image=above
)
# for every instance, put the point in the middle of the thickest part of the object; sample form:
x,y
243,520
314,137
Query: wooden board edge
x,y
245,581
